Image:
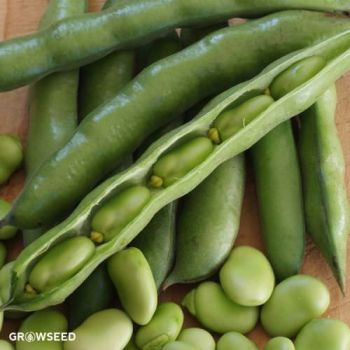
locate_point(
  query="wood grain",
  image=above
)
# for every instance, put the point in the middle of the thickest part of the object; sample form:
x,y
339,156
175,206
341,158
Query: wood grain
x,y
20,17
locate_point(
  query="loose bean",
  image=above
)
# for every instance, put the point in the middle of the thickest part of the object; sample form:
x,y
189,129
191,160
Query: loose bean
x,y
247,277
323,334
164,327
5,345
235,341
197,337
133,279
294,302
108,329
60,263
42,322
280,343
179,345
210,305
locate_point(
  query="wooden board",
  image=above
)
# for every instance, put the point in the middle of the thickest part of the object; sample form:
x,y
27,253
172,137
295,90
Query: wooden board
x,y
19,17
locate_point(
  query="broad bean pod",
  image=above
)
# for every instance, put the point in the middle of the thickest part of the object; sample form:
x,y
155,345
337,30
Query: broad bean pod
x,y
53,109
115,129
326,205
83,39
336,52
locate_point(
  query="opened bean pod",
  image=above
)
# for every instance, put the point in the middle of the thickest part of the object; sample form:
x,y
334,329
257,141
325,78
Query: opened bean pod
x,y
116,189
107,329
79,167
11,156
163,328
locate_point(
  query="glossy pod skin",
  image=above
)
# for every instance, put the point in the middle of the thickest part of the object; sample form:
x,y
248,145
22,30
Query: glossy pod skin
x,y
212,308
164,327
8,231
208,223
108,329
179,161
5,345
279,343
53,106
279,191
157,242
86,38
60,263
78,167
102,80
235,341
53,110
199,338
11,156
294,302
233,120
133,279
247,277
94,295
336,52
43,322
326,205
323,334
114,215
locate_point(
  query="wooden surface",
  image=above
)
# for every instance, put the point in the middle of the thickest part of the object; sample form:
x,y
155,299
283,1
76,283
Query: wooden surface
x,y
19,17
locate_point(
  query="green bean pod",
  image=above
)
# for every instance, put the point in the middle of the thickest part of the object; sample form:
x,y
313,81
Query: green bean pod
x,y
231,121
234,340
60,263
53,100
42,322
279,343
11,156
114,215
133,279
333,49
278,186
164,327
178,162
117,128
102,80
86,38
323,334
323,172
94,295
212,308
7,231
107,329
5,345
208,223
